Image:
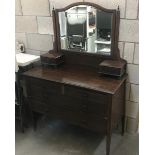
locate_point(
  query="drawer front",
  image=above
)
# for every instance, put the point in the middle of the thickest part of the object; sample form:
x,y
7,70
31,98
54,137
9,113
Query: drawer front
x,y
65,102
95,108
47,86
76,104
36,92
37,105
88,101
98,97
36,82
92,122
95,123
52,87
38,89
64,114
75,92
86,94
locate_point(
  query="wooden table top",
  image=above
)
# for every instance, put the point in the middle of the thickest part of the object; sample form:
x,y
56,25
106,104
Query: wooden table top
x,y
77,76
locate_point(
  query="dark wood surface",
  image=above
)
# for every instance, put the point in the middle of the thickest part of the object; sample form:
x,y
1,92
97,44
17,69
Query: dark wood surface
x,y
113,63
53,55
78,76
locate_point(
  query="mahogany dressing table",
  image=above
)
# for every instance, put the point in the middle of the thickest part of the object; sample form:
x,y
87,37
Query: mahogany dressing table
x,y
74,91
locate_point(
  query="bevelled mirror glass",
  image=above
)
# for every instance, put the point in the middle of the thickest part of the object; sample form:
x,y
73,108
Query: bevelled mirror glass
x,y
84,28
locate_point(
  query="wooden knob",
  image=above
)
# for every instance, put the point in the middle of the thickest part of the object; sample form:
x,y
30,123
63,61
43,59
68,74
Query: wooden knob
x,y
84,106
85,95
84,121
105,118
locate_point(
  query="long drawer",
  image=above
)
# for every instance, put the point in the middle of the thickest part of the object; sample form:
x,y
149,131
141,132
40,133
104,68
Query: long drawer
x,y
77,104
90,121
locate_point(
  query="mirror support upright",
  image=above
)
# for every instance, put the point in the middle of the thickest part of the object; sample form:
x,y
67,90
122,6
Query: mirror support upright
x,y
55,45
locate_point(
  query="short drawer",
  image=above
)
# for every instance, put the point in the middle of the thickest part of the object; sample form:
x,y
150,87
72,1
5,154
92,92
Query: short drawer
x,y
37,106
35,92
75,92
95,108
90,95
98,97
47,86
36,82
52,87
94,122
63,114
64,102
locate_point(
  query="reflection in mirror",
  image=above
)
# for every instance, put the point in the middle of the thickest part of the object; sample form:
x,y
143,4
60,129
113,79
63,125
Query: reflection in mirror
x,y
86,29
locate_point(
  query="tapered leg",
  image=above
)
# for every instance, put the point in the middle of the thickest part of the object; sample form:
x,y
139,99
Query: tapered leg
x,y
124,111
35,117
34,120
123,125
22,109
22,122
108,142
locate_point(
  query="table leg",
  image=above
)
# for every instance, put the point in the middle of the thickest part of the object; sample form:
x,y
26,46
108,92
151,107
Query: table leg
x,y
123,125
108,142
124,112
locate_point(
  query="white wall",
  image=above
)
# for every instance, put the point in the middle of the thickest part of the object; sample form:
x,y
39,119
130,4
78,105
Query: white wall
x,y
34,28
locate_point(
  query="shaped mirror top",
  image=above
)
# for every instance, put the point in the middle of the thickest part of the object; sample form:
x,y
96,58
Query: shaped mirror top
x,y
84,28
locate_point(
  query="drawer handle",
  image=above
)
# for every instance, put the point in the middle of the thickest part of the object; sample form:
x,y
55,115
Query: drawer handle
x,y
105,118
85,95
45,96
84,106
29,97
84,121
83,110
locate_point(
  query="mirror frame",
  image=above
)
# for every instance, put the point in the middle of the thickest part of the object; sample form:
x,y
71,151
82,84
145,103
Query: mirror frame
x,y
115,54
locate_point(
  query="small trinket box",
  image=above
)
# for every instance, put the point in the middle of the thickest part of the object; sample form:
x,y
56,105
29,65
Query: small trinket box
x,y
115,68
52,59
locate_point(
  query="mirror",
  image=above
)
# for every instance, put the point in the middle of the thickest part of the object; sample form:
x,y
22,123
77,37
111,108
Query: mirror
x,y
84,28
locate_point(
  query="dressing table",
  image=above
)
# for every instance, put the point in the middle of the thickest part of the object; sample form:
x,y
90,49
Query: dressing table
x,y
86,34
